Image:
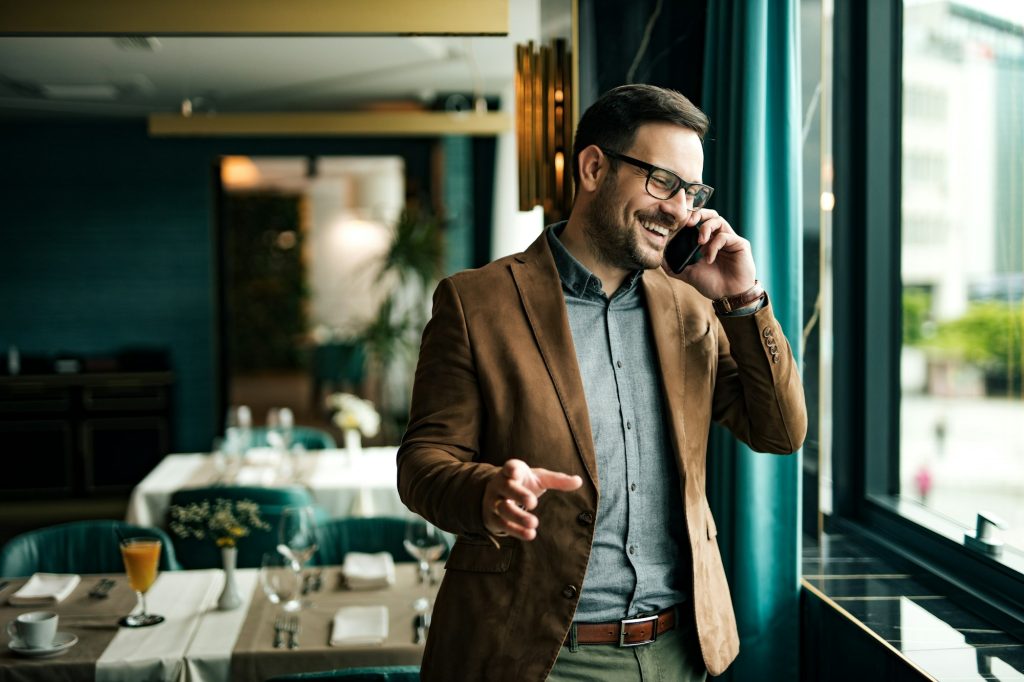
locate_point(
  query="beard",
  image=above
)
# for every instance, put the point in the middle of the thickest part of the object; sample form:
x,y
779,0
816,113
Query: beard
x,y
617,244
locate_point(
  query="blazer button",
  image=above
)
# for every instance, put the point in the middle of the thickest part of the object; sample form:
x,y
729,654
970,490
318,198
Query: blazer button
x,y
569,592
585,519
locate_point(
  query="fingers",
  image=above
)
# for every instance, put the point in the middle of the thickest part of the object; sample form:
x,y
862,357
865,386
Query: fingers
x,y
513,492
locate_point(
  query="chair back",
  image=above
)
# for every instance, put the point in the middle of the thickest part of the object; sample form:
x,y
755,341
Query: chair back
x,y
364,534
193,553
78,547
307,436
394,673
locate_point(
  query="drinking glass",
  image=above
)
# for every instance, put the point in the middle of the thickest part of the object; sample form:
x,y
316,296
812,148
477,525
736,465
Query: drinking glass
x,y
238,430
141,560
281,580
280,427
297,535
426,544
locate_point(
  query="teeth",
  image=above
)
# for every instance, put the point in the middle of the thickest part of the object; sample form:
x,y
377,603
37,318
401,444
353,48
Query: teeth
x,y
657,229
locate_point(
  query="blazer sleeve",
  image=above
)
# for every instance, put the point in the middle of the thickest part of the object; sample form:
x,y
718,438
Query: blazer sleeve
x,y
439,475
758,392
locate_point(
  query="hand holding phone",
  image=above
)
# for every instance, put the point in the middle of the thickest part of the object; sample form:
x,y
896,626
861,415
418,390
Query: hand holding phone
x,y
683,250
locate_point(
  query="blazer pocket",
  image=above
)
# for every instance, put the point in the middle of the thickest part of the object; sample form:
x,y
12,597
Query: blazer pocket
x,y
709,521
479,557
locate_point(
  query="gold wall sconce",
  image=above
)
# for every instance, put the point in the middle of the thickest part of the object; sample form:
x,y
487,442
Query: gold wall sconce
x,y
544,128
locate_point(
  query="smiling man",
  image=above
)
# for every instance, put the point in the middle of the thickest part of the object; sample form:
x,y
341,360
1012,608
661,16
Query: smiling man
x,y
583,369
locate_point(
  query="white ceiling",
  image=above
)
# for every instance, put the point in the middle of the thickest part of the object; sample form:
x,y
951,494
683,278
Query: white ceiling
x,y
104,77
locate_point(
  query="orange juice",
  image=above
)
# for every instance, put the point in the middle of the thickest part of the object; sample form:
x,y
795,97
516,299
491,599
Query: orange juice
x,y
141,557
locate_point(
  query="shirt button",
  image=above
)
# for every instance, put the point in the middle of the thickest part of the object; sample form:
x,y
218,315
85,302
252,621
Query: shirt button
x,y
767,332
633,487
629,425
618,363
632,549
775,359
585,519
569,592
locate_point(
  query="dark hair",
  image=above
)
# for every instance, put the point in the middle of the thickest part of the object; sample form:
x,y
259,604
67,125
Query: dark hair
x,y
612,121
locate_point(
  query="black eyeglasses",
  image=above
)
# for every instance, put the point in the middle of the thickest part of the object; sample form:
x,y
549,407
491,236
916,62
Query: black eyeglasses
x,y
663,184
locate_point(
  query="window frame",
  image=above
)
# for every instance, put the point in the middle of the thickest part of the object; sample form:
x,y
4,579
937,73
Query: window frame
x,y
867,325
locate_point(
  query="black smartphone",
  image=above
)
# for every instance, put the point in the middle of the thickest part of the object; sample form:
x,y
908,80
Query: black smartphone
x,y
683,249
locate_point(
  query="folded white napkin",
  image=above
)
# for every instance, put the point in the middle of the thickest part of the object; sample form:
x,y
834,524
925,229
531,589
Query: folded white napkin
x,y
368,571
360,625
45,588
264,456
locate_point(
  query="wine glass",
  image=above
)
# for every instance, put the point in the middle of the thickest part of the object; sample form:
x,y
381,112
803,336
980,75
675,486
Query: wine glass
x,y
280,426
425,543
280,580
141,560
238,430
297,535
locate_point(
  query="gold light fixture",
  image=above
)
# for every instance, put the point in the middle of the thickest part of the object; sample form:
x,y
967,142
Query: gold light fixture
x,y
544,128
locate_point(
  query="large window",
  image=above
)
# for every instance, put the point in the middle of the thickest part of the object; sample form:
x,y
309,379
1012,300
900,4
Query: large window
x,y
927,286
961,445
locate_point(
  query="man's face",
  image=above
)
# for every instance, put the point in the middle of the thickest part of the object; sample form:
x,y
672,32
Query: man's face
x,y
627,227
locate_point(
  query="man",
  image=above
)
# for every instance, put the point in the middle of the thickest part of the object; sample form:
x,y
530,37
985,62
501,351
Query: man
x,y
581,367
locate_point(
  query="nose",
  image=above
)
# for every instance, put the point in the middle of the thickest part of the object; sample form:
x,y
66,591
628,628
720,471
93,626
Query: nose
x,y
679,207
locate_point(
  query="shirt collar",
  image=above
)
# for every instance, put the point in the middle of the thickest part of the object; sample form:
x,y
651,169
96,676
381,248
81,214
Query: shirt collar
x,y
575,277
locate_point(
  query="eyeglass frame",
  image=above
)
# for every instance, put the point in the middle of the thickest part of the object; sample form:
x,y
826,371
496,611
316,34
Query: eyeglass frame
x,y
650,168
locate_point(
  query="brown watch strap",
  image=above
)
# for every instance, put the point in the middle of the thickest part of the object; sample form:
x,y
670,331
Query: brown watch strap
x,y
727,304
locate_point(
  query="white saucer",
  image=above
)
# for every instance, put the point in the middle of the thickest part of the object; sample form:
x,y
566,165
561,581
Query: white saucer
x,y
61,643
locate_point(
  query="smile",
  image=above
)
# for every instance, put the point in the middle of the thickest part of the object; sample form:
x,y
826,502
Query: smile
x,y
656,229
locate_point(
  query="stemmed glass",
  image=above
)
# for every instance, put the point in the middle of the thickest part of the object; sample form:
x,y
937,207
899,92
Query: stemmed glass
x,y
238,430
297,535
280,426
425,543
280,579
141,560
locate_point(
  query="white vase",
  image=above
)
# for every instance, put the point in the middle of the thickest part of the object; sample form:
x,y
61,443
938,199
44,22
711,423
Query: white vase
x,y
229,597
353,442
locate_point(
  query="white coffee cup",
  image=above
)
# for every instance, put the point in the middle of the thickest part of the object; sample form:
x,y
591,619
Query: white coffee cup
x,y
35,629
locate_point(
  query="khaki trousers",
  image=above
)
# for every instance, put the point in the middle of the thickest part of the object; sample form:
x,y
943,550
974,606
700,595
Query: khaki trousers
x,y
674,657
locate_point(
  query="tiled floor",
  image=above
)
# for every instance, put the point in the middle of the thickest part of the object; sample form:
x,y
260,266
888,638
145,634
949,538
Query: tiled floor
x,y
937,635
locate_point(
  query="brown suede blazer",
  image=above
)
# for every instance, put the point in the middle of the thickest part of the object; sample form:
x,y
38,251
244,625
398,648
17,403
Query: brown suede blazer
x,y
498,379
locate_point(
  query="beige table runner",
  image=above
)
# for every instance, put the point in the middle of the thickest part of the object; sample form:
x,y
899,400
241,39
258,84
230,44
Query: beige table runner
x,y
94,621
254,657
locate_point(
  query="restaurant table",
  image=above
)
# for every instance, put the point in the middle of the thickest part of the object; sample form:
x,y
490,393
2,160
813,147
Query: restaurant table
x,y
198,643
341,484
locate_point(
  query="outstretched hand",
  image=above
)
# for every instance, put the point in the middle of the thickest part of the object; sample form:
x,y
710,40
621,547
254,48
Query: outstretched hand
x,y
511,495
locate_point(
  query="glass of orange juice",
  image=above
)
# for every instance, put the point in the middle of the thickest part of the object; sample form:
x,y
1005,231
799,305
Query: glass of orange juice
x,y
141,559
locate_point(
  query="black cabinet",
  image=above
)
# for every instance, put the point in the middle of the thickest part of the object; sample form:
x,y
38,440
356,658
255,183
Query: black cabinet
x,y
82,435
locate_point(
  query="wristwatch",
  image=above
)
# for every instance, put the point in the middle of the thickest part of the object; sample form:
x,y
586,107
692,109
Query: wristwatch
x,y
727,304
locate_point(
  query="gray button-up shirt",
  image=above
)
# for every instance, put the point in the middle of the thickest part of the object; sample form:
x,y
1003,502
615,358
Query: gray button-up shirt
x,y
639,562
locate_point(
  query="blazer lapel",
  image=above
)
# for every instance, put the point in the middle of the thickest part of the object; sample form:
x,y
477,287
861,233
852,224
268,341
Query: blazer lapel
x,y
665,312
540,289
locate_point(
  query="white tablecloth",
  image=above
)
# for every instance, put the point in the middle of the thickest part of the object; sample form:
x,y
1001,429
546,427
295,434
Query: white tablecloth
x,y
342,485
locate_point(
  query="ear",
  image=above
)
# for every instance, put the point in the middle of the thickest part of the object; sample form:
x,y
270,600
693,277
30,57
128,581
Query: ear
x,y
593,167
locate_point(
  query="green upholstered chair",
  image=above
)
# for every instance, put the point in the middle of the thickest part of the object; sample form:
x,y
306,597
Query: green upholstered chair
x,y
307,436
193,553
78,547
363,534
396,673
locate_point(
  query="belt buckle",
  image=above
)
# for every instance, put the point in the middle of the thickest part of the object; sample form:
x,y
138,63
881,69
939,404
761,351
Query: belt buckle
x,y
631,621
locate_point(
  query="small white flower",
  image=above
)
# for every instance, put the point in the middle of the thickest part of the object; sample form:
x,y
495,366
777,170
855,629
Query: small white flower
x,y
352,412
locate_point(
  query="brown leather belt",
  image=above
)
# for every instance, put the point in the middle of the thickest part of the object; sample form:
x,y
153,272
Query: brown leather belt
x,y
628,632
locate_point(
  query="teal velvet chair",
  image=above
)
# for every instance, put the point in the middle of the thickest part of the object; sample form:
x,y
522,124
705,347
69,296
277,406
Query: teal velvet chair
x,y
78,547
307,436
193,553
396,673
364,534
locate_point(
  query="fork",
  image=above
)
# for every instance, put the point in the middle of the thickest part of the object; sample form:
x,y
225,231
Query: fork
x,y
279,628
293,632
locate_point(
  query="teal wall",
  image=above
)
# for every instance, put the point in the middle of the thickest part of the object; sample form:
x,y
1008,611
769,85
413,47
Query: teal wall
x,y
107,240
